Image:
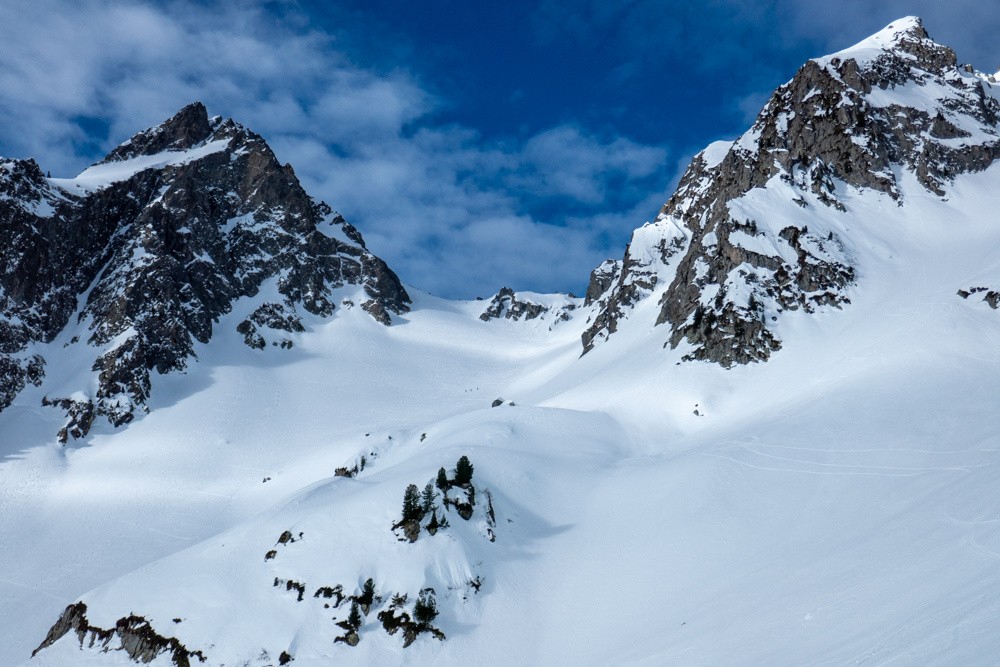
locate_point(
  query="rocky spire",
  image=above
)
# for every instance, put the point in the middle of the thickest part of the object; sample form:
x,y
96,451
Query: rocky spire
x,y
186,129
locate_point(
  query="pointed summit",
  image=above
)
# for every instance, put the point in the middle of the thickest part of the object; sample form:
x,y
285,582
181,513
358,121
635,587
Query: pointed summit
x,y
908,27
900,31
187,128
904,38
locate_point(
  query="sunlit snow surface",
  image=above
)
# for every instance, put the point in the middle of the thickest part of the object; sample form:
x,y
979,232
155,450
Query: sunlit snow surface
x,y
838,504
102,175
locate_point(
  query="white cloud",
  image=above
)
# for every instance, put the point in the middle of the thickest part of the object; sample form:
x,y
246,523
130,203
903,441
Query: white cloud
x,y
563,161
451,213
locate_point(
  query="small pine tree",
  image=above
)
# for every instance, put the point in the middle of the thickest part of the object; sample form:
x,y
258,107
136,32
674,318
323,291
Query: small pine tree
x,y
354,618
368,591
411,503
442,480
433,524
463,471
428,498
425,608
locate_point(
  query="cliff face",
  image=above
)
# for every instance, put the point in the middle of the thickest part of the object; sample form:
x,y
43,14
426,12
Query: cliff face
x,y
146,250
894,106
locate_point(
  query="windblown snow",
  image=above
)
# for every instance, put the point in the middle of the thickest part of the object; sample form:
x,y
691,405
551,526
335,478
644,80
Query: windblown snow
x,y
101,175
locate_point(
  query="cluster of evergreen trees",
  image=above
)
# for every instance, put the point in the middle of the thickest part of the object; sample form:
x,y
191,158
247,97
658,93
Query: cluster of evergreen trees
x,y
463,475
417,504
359,603
425,608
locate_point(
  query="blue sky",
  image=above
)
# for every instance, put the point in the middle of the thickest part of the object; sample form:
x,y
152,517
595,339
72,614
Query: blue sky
x,y
474,144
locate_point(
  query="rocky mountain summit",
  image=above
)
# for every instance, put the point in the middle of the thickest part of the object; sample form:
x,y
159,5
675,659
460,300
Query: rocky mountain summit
x,y
139,257
896,106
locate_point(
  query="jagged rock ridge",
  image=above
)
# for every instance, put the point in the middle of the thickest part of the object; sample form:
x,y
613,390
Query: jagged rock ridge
x,y
135,636
862,118
511,305
145,251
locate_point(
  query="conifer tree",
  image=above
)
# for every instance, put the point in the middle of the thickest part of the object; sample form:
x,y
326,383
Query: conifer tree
x,y
354,618
368,590
463,471
425,608
428,498
442,480
411,503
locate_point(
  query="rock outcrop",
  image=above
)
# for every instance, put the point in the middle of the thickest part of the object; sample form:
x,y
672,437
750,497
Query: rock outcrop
x,y
508,304
135,637
991,297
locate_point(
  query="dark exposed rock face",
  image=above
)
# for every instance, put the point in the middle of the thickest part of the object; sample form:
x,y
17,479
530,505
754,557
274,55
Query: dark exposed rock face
x,y
38,286
189,127
274,316
601,280
410,529
292,585
134,634
79,417
507,304
144,264
842,121
631,279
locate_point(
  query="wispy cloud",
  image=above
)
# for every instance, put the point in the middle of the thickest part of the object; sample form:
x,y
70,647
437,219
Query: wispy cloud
x,y
452,213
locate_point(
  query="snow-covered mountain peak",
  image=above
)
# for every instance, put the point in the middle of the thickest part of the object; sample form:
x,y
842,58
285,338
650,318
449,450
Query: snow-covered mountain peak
x,y
140,257
187,128
902,35
870,122
905,40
